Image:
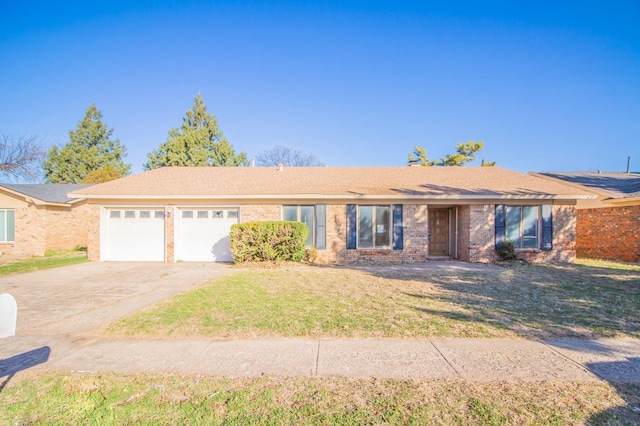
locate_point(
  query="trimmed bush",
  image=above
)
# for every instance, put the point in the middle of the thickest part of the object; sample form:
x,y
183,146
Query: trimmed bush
x,y
268,241
507,250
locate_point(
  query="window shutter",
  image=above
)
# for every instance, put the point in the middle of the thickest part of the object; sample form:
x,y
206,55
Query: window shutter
x,y
351,226
501,219
397,226
547,227
321,226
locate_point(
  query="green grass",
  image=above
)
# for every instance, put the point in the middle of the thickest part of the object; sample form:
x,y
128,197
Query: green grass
x,y
52,259
112,399
553,301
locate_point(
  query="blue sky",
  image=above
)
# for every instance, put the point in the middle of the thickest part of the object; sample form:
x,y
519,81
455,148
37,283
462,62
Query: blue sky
x,y
547,85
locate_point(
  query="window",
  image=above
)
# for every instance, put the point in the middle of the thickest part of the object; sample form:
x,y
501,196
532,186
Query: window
x,y
217,214
522,226
528,227
145,214
187,214
203,214
129,214
114,214
302,214
7,225
232,214
158,214
374,226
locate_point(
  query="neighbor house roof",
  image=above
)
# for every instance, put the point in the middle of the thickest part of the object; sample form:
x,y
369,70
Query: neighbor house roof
x,y
51,193
617,186
331,182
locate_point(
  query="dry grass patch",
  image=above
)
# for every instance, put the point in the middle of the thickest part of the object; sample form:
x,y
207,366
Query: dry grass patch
x,y
554,301
168,399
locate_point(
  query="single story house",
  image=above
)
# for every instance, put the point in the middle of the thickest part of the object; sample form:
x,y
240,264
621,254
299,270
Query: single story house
x,y
39,217
402,214
608,226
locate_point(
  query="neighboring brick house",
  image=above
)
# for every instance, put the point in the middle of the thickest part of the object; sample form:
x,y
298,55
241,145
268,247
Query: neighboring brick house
x,y
608,226
396,214
39,217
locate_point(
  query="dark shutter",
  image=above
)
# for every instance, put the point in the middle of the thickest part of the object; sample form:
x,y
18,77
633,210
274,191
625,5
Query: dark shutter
x,y
501,224
397,226
321,226
547,227
351,226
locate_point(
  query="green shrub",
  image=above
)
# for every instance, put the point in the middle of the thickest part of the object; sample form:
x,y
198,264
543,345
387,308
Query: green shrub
x,y
310,254
268,241
506,250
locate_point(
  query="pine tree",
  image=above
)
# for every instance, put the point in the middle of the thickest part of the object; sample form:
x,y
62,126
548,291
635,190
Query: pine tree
x,y
465,153
198,142
89,148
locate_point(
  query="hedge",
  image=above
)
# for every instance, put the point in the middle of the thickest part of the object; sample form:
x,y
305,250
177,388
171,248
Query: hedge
x,y
268,241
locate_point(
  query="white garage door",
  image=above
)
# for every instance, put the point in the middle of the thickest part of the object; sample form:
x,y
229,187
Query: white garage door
x,y
203,234
134,234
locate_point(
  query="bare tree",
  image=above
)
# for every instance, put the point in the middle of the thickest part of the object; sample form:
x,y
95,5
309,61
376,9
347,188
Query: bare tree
x,y
287,156
21,157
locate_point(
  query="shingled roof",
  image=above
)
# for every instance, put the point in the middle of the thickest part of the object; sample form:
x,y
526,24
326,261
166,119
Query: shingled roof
x,y
46,192
331,182
616,185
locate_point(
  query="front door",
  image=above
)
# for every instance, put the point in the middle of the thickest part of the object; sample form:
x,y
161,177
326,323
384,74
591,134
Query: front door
x,y
438,232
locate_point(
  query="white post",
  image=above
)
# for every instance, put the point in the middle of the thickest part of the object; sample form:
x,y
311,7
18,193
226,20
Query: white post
x,y
8,315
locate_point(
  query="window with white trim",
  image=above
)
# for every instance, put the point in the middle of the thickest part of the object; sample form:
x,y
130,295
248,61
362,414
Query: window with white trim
x,y
522,226
302,214
374,226
7,225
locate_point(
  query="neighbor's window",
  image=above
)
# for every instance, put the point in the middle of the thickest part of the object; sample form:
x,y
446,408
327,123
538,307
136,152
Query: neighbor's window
x,y
374,226
7,225
302,214
522,226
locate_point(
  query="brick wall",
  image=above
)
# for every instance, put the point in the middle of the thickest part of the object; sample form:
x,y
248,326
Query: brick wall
x,y
30,233
477,236
67,227
414,238
609,233
260,212
93,232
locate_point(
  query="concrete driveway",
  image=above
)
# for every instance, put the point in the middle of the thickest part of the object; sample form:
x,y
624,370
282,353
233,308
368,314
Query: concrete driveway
x,y
80,298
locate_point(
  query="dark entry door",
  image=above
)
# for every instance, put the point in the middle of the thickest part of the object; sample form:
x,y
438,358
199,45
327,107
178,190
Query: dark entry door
x,y
438,232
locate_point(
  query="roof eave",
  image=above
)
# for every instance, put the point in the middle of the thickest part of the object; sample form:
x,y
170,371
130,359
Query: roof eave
x,y
340,197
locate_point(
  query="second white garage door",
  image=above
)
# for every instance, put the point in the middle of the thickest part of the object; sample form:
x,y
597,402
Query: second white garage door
x,y
203,234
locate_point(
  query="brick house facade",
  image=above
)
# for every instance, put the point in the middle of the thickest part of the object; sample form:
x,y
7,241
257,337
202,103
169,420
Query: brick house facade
x,y
608,226
609,233
358,214
37,218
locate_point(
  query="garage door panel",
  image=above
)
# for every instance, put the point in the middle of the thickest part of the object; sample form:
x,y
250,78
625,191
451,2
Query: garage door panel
x,y
134,235
203,235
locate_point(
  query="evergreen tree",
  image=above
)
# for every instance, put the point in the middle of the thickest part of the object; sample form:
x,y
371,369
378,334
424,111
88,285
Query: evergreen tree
x,y
198,142
465,153
89,148
104,174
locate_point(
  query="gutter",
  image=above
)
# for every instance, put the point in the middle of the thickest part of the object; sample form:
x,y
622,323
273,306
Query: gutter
x,y
339,197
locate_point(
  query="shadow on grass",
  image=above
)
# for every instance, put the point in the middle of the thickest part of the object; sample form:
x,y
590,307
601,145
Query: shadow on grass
x,y
533,301
10,366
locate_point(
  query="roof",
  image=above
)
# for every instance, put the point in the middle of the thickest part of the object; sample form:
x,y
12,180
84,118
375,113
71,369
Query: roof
x,y
47,192
616,185
331,182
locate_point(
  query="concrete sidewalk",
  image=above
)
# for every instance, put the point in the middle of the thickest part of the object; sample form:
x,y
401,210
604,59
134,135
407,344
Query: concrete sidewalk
x,y
483,360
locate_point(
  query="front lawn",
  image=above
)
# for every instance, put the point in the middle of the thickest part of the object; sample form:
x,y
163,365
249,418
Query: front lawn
x,y
168,399
553,301
52,259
